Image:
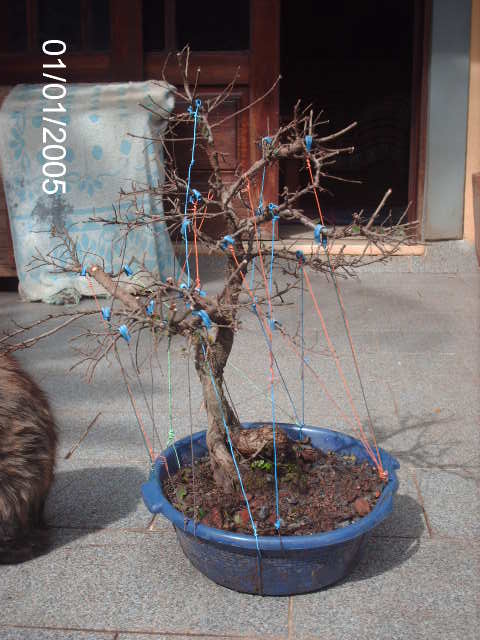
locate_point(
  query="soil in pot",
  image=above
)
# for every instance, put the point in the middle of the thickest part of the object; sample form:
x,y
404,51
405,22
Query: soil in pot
x,y
318,491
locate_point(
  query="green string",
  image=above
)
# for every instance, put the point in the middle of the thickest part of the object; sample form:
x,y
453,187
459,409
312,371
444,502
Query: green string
x,y
245,378
171,432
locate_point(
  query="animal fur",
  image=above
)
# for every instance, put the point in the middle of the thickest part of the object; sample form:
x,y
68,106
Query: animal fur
x,y
27,458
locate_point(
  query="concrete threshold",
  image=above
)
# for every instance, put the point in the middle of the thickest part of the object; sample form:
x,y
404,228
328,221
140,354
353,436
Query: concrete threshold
x,y
351,248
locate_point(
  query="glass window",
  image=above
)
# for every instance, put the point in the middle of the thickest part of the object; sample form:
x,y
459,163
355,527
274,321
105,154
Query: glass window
x,y
60,20
99,26
153,25
216,25
15,38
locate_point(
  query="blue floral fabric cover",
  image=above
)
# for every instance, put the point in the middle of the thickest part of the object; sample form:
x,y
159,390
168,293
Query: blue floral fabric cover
x,y
101,159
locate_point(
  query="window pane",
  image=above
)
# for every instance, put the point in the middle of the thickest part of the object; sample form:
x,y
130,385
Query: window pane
x,y
153,25
15,38
216,25
100,25
60,20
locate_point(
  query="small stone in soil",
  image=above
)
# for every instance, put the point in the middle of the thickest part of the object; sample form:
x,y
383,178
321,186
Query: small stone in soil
x,y
263,513
214,518
243,516
361,506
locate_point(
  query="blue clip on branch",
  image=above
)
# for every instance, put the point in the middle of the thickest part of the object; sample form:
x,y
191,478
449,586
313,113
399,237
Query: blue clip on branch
x,y
124,332
227,241
203,315
195,196
320,235
150,307
300,256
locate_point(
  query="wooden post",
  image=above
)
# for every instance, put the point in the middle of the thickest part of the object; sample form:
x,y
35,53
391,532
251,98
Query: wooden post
x,y
264,71
127,40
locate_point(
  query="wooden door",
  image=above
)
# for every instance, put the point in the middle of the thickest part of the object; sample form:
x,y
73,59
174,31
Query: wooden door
x,y
365,62
122,40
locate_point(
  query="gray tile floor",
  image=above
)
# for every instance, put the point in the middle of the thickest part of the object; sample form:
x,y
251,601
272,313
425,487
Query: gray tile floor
x,y
113,573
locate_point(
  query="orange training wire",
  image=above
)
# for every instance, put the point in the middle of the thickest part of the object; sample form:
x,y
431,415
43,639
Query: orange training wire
x,y
364,439
354,354
343,309
194,224
140,422
292,346
315,190
209,197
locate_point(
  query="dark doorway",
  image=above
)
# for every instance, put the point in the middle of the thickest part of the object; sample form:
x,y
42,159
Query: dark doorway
x,y
353,60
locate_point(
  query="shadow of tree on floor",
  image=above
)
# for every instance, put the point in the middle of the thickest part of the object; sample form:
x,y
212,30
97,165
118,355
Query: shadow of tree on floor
x,y
415,442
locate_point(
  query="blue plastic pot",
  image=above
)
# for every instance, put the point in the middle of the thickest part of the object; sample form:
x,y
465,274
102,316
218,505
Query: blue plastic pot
x,y
286,565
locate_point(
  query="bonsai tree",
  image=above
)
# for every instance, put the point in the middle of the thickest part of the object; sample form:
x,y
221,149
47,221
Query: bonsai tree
x,y
178,306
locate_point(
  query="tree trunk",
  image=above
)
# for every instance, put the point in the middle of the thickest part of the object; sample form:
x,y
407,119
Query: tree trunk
x,y
210,371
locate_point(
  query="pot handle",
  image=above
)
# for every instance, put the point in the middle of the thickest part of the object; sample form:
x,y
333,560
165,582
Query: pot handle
x,y
152,496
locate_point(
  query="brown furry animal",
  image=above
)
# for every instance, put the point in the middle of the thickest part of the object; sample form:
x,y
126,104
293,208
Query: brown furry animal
x,y
27,457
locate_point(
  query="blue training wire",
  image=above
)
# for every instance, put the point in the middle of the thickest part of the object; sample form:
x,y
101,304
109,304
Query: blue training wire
x,y
186,221
302,373
260,206
287,391
272,394
227,431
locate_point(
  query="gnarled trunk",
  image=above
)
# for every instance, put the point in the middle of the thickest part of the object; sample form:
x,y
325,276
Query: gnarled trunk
x,y
210,361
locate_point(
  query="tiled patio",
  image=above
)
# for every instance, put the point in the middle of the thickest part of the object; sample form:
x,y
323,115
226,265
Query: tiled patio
x,y
113,573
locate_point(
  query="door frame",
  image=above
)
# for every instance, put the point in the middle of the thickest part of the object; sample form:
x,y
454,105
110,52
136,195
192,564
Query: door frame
x,y
418,127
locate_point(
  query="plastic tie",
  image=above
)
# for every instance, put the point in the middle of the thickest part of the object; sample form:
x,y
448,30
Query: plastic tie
x,y
204,317
272,207
185,225
226,242
150,307
84,271
201,292
124,332
300,256
195,196
106,313
267,140
319,235
278,523
198,104
274,324
127,270
171,436
259,211
308,142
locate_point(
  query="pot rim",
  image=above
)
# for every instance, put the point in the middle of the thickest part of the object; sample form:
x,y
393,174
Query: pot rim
x,y
157,502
